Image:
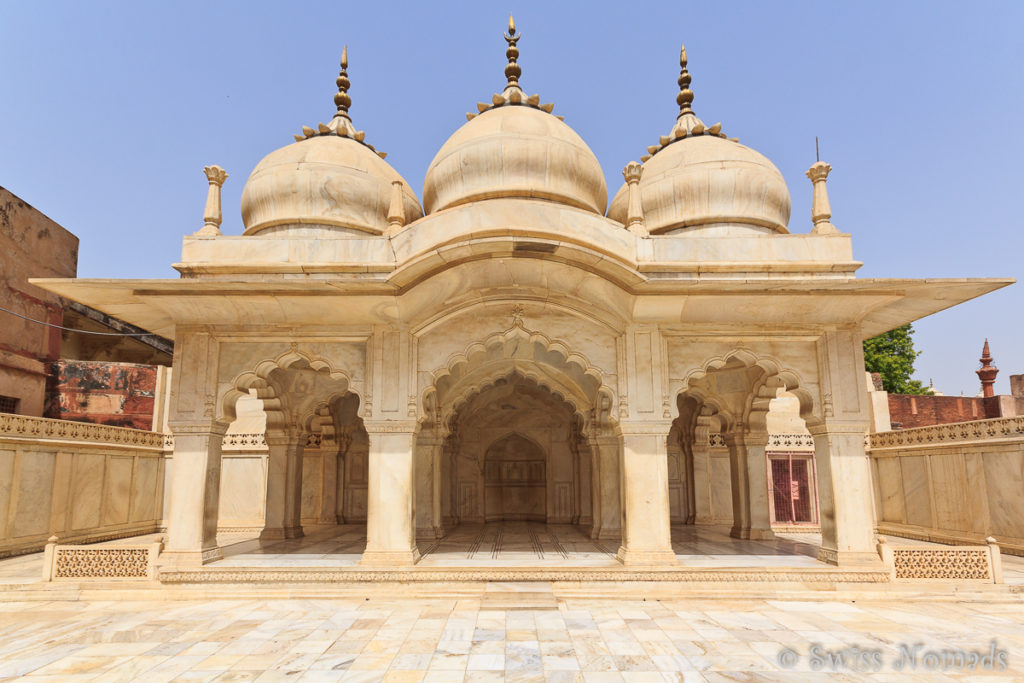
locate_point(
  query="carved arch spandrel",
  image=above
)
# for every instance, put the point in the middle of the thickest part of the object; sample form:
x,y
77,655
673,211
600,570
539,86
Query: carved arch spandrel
x,y
531,354
268,377
775,376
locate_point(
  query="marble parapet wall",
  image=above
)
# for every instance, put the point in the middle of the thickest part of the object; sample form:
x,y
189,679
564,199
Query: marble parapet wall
x,y
956,483
79,482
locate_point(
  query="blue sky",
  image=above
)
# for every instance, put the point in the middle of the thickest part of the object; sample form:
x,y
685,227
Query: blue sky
x,y
110,110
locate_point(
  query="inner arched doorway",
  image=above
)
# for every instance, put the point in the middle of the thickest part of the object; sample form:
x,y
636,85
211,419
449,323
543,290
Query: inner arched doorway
x,y
516,452
515,481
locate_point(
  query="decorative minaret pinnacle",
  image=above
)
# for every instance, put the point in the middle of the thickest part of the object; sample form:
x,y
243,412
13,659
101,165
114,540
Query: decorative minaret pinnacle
x,y
634,207
342,98
512,69
821,212
685,97
396,209
212,216
687,123
987,372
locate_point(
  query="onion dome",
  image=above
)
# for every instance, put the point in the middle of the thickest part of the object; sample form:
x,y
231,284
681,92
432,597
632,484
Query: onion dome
x,y
696,177
330,182
515,147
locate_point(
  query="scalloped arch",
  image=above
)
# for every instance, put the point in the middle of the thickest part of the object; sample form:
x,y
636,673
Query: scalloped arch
x,y
550,363
777,376
259,378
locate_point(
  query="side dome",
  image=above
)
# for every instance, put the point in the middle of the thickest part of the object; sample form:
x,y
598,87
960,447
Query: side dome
x,y
697,179
329,183
515,151
709,181
515,147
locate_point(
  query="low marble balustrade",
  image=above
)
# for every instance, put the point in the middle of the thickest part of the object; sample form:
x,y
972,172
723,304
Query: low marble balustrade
x,y
76,562
82,482
949,564
956,483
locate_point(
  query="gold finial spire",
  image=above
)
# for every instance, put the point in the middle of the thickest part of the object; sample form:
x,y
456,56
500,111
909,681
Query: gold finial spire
x,y
342,99
685,96
512,70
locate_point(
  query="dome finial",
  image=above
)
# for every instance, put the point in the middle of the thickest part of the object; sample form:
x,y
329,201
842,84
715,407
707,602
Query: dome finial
x,y
342,99
512,70
685,96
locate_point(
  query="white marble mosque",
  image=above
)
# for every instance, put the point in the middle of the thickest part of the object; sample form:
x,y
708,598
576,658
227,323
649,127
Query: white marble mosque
x,y
509,347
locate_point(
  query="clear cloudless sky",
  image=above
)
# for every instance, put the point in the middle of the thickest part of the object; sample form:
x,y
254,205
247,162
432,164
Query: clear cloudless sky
x,y
110,110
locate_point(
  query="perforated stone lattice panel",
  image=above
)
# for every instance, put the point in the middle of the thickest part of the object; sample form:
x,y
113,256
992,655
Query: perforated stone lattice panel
x,y
947,564
101,563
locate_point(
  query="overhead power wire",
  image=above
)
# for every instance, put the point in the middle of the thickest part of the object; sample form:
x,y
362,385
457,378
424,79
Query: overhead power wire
x,y
72,329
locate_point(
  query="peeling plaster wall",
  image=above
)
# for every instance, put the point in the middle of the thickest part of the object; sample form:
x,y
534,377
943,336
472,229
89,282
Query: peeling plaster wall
x,y
31,245
115,394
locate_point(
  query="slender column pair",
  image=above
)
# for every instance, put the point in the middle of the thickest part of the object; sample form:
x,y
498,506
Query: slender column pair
x,y
748,471
283,515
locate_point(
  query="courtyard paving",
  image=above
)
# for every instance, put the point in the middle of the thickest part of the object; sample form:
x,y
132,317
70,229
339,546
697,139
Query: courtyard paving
x,y
455,640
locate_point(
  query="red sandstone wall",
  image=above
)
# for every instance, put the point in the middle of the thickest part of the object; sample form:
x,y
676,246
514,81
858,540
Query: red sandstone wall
x,y
117,394
906,411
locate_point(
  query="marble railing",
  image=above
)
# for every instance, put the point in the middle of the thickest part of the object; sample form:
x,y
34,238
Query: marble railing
x,y
956,483
59,477
790,442
977,430
776,442
75,562
25,427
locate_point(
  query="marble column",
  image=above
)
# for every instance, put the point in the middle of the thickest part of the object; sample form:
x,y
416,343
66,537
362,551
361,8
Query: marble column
x,y
739,479
757,480
390,495
606,488
194,494
284,485
646,529
699,449
844,494
328,481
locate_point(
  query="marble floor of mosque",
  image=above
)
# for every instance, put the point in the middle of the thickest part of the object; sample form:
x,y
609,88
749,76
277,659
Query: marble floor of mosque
x,y
514,543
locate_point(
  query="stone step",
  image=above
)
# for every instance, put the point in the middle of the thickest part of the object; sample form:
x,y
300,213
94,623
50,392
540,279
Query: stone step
x,y
519,600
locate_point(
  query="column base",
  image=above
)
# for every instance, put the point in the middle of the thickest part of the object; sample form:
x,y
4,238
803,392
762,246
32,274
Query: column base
x,y
390,558
752,534
606,534
189,558
646,558
841,558
281,533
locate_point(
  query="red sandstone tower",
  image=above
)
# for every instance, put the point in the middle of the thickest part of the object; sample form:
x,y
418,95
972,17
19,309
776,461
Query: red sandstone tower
x,y
987,372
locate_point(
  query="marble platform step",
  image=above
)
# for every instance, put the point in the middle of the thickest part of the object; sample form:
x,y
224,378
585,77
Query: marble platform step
x,y
519,600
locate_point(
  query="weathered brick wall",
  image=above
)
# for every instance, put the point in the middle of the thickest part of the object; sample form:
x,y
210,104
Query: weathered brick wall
x,y
31,245
906,411
116,394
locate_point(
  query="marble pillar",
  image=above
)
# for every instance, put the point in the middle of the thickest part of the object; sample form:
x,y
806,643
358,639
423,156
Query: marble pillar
x,y
606,488
646,529
844,494
740,482
284,485
390,495
757,480
195,493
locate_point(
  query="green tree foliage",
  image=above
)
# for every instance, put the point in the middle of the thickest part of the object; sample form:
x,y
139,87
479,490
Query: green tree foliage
x,y
892,355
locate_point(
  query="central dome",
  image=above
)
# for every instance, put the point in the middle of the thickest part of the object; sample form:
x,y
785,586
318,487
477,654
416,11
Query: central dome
x,y
515,148
515,151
